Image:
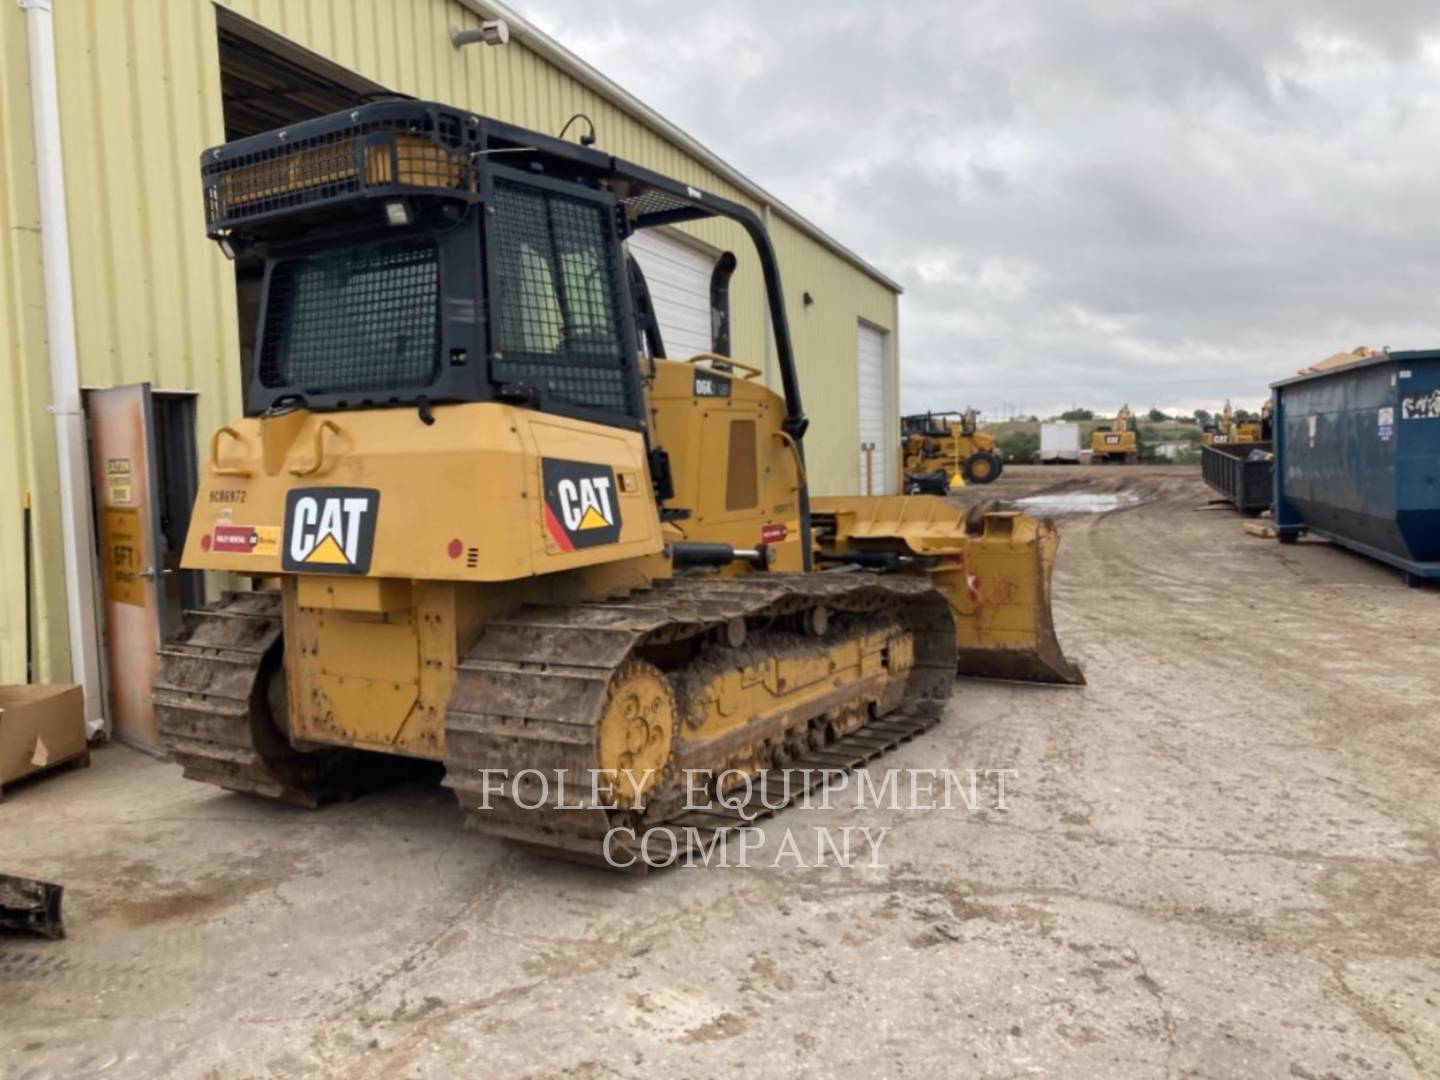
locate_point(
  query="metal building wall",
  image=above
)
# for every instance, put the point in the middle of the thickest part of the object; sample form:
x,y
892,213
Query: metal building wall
x,y
827,343
140,98
27,438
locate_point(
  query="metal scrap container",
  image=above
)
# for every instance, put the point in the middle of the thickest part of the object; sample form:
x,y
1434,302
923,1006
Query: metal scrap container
x,y
1357,459
1242,472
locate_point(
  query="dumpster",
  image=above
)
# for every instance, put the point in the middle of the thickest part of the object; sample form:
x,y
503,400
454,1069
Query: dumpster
x,y
1357,458
1242,472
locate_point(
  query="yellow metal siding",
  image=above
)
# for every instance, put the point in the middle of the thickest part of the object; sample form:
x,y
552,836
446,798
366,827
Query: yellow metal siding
x,y
27,456
826,338
140,98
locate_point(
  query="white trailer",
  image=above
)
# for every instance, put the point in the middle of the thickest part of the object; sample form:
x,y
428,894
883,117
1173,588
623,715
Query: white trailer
x,y
1060,444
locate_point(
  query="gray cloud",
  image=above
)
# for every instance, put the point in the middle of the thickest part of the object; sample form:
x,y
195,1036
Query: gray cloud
x,y
1163,202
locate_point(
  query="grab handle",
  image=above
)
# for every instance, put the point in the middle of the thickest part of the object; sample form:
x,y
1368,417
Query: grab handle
x,y
215,466
716,358
319,462
784,436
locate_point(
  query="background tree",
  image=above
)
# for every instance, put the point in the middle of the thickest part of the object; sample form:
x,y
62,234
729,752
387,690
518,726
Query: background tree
x,y
1019,446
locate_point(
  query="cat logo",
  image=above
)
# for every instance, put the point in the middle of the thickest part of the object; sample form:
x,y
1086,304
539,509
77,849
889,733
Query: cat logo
x,y
581,507
330,530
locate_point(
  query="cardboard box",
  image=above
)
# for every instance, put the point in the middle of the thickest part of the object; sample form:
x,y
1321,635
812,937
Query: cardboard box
x,y
40,727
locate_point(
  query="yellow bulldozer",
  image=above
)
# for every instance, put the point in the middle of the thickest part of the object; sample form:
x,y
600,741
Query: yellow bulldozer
x,y
492,525
1119,442
943,451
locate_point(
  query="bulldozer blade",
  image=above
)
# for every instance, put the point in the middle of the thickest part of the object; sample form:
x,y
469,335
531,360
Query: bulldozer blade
x,y
1005,626
993,566
31,907
1000,594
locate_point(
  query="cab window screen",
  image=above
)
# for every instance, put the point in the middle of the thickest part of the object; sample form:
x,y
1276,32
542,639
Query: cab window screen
x,y
361,319
555,307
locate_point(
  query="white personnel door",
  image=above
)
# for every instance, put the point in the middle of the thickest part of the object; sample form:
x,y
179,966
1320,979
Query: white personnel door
x,y
677,273
875,412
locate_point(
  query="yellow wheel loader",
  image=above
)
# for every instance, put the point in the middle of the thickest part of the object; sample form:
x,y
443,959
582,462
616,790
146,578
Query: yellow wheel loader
x,y
493,526
1120,442
942,451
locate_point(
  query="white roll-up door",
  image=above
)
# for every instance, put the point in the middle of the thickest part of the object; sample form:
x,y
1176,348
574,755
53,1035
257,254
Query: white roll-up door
x,y
875,410
678,275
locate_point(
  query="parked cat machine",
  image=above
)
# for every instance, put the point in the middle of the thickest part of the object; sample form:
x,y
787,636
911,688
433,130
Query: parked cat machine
x,y
1227,429
500,530
942,451
1117,443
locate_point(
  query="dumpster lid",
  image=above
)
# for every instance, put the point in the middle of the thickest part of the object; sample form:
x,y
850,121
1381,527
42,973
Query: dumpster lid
x,y
1360,364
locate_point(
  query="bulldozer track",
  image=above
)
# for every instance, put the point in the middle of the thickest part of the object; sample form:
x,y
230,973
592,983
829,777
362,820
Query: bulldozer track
x,y
210,707
530,693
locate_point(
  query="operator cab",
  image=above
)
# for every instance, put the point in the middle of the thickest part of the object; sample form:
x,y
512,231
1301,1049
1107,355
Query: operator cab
x,y
931,425
417,255
938,425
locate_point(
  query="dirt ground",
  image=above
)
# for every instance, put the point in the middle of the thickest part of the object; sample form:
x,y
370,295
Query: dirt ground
x,y
1218,859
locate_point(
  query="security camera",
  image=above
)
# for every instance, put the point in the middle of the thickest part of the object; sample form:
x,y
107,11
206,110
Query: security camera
x,y
491,32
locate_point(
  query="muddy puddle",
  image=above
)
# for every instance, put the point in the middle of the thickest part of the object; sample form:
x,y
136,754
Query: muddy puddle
x,y
1056,503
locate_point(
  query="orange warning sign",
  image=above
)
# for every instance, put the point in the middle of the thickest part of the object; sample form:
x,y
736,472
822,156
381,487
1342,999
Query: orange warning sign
x,y
123,555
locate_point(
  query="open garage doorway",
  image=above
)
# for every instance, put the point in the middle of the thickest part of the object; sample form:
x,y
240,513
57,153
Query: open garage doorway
x,y
269,82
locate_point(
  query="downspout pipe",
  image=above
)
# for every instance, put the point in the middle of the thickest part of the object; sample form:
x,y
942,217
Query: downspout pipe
x,y
77,538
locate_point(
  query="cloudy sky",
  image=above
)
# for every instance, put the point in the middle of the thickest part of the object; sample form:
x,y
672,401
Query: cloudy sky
x,y
1088,201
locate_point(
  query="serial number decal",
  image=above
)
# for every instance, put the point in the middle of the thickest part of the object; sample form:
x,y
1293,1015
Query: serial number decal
x,y
227,495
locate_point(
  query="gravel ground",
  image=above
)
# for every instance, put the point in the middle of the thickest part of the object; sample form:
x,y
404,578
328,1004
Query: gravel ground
x,y
1218,859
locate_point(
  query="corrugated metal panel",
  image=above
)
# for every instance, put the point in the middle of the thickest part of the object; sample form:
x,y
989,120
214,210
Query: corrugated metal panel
x,y
677,274
825,345
873,397
27,445
140,98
